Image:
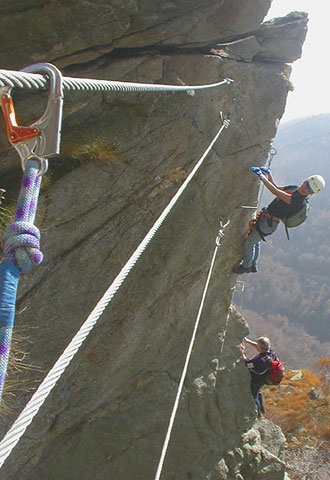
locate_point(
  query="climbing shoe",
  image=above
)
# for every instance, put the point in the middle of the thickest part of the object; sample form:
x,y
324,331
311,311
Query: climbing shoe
x,y
240,269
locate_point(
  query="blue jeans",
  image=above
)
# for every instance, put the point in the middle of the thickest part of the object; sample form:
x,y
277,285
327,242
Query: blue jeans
x,y
258,398
252,242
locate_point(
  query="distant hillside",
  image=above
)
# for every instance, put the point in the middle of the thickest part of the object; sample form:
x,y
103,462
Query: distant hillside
x,y
293,282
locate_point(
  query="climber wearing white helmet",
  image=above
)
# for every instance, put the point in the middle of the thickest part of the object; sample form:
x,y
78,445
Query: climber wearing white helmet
x,y
289,201
315,183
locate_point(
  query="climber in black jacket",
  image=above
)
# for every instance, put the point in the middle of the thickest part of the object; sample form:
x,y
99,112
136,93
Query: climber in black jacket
x,y
267,220
258,367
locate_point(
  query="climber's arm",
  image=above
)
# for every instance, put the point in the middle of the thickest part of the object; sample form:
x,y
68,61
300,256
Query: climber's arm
x,y
275,190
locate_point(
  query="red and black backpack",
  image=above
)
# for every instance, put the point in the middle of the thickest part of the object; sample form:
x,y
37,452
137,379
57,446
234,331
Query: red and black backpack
x,y
275,372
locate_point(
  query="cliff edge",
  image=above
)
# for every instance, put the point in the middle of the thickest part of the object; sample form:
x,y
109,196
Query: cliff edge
x,y
124,155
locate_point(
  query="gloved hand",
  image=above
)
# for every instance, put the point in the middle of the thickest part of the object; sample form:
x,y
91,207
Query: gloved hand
x,y
256,170
265,170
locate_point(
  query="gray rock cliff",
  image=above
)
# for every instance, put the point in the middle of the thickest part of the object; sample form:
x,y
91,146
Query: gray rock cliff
x,y
108,414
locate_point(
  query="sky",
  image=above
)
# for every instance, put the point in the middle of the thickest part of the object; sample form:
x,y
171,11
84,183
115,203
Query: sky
x,y
310,74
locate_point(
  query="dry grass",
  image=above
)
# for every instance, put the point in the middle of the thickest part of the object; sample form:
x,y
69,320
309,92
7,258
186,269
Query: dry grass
x,y
311,463
97,150
16,379
7,215
291,406
301,407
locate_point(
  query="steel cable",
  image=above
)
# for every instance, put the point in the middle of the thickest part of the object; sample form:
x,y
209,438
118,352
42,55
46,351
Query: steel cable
x,y
35,81
18,428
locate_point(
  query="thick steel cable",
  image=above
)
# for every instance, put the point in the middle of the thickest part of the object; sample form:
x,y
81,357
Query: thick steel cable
x,y
35,81
32,407
188,356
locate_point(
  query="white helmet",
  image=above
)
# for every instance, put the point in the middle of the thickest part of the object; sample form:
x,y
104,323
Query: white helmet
x,y
316,183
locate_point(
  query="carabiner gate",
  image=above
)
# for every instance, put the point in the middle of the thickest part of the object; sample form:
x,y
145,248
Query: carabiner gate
x,y
42,138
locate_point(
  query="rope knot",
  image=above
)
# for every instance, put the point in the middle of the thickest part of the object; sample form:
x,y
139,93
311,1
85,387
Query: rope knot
x,y
21,245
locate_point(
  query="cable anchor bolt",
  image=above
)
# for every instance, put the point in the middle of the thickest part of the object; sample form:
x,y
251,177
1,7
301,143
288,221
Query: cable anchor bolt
x,y
221,231
42,138
224,117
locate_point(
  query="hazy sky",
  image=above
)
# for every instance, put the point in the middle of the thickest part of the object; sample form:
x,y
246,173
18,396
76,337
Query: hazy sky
x,y
311,73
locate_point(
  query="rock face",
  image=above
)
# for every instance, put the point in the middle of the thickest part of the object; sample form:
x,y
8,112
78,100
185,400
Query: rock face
x,y
108,415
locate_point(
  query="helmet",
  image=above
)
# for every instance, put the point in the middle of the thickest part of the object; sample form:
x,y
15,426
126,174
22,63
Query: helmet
x,y
316,182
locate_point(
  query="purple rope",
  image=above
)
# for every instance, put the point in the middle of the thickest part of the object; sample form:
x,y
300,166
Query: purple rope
x,y
20,252
21,238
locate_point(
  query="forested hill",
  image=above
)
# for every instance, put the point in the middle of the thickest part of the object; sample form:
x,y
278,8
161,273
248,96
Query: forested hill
x,y
291,290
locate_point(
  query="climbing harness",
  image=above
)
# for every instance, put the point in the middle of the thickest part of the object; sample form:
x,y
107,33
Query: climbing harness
x,y
254,222
18,428
188,356
21,249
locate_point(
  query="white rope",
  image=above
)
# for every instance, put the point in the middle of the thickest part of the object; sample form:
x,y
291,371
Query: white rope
x,y
36,81
185,368
32,407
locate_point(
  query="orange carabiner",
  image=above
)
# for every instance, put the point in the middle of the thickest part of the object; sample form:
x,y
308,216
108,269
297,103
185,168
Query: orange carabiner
x,y
252,224
15,133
